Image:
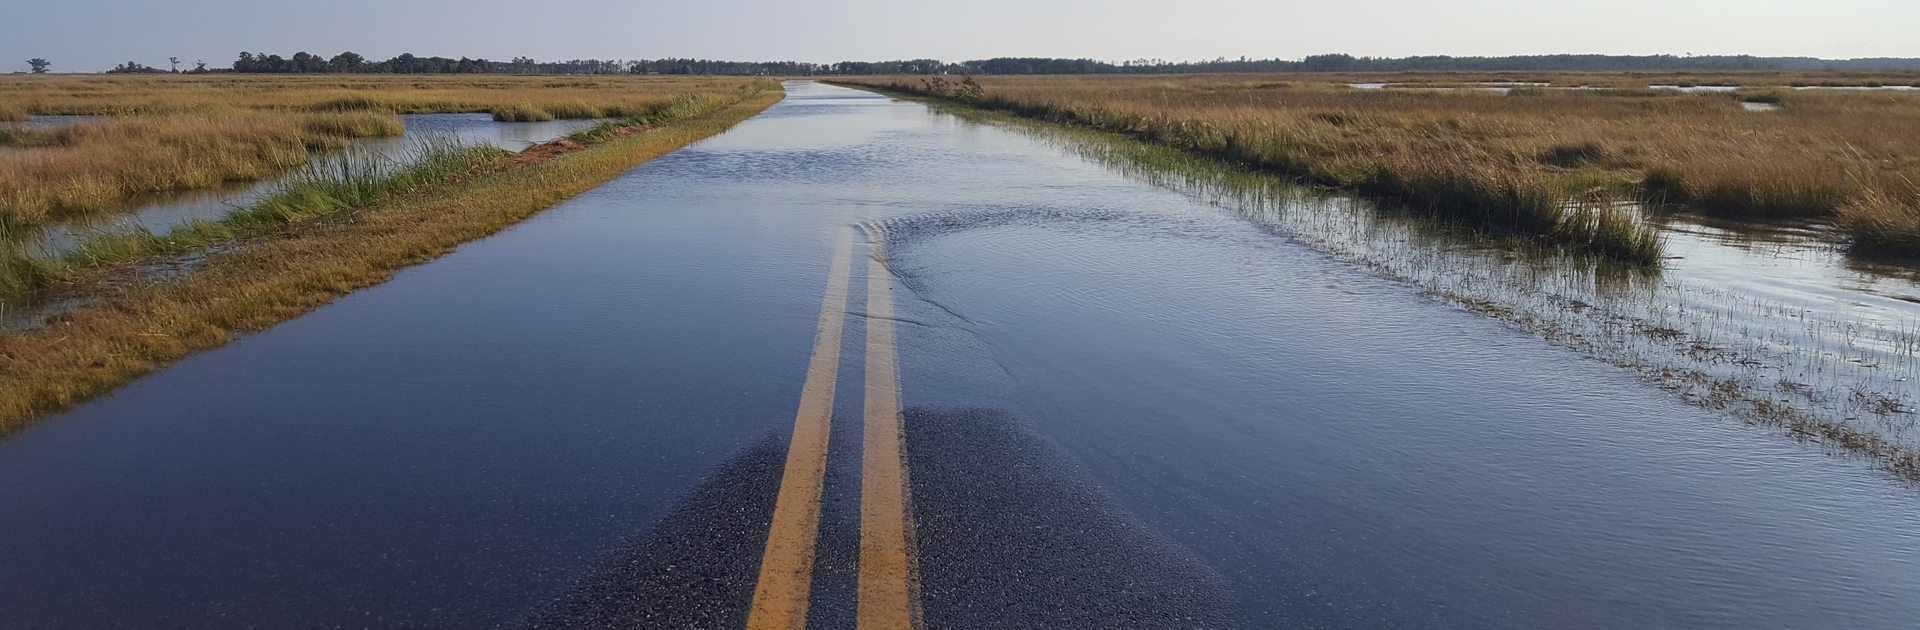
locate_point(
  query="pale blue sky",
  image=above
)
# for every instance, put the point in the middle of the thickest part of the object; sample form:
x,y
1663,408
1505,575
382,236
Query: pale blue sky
x,y
89,35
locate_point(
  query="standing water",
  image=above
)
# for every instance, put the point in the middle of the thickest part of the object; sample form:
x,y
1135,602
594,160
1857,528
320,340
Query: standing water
x,y
1337,442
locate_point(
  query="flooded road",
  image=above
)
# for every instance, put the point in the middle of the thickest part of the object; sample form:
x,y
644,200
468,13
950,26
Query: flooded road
x,y
1109,387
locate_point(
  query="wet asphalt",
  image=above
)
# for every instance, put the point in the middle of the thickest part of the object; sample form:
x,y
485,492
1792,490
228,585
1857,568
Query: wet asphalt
x,y
1009,533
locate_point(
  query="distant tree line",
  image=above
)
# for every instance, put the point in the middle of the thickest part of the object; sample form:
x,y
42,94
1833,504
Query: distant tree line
x,y
348,62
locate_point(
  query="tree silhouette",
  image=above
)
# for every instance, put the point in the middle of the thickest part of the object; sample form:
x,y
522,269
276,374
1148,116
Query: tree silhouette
x,y
39,65
175,62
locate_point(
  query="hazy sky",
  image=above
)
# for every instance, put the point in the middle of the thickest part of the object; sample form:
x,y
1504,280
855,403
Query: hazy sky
x,y
89,35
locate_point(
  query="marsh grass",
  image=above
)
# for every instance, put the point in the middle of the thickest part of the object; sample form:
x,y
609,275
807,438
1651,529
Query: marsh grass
x,y
330,184
172,132
1883,224
521,113
1496,159
101,166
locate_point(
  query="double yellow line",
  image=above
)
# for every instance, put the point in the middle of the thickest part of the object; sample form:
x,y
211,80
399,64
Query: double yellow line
x,y
888,586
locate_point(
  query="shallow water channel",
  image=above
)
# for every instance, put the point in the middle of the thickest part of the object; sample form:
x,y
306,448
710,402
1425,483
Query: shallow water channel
x,y
161,212
1275,384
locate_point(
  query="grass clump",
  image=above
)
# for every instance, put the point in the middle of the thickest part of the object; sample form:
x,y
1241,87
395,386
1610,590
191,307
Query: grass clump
x,y
14,113
1797,189
1883,224
353,126
523,112
351,103
575,110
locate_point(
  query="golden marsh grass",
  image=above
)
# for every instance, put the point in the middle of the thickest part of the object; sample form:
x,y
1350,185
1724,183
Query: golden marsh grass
x,y
174,132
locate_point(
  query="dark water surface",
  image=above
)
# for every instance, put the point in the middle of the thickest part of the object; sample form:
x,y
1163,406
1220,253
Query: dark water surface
x,y
460,445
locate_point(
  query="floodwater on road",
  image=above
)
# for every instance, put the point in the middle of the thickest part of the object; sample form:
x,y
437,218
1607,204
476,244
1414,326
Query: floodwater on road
x,y
1317,442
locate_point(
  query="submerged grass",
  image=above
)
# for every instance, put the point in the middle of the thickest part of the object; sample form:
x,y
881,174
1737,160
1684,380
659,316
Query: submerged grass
x,y
347,225
1845,157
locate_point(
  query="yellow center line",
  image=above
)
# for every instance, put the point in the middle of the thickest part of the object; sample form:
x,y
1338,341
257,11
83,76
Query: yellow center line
x,y
786,571
888,589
